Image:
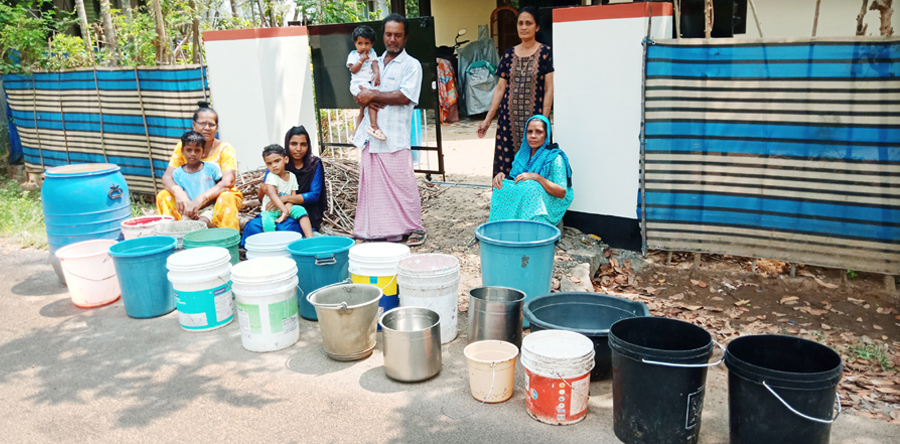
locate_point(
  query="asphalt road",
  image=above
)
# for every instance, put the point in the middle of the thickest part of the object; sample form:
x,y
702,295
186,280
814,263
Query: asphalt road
x,y
95,375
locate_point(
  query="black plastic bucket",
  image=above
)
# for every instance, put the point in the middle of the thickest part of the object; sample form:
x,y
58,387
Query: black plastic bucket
x,y
659,373
781,389
591,314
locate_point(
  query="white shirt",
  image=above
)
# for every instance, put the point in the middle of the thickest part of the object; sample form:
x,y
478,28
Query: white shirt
x,y
404,74
284,187
365,73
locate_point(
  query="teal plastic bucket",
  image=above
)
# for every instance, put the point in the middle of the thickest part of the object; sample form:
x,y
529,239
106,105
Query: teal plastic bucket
x,y
518,254
227,238
321,261
141,269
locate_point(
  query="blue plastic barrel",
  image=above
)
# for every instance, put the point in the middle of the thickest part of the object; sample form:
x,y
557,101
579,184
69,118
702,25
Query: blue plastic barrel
x,y
143,276
83,202
320,261
518,254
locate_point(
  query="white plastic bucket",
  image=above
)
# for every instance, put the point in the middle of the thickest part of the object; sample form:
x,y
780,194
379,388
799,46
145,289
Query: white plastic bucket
x,y
492,369
90,273
178,228
558,368
271,244
265,290
142,226
432,281
375,263
201,278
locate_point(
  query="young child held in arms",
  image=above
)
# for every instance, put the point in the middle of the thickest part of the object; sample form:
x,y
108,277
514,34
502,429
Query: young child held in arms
x,y
364,72
281,183
196,177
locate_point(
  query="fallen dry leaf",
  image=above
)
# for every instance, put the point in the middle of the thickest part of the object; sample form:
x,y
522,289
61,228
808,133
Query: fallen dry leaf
x,y
695,282
692,307
824,284
887,390
742,302
877,327
856,301
677,297
702,284
811,311
716,298
778,314
858,319
788,300
575,279
607,254
826,327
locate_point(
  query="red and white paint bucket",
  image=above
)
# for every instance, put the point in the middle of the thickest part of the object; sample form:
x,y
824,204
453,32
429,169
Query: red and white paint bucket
x,y
558,368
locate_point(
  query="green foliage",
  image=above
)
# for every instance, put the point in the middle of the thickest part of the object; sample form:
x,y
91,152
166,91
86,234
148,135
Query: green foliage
x,y
412,8
852,274
24,33
135,39
67,52
871,353
324,12
21,216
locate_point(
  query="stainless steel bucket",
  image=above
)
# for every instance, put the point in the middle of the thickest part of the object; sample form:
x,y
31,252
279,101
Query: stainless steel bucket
x,y
348,317
412,343
496,313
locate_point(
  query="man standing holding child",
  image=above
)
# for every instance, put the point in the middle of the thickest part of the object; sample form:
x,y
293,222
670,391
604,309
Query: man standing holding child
x,y
389,204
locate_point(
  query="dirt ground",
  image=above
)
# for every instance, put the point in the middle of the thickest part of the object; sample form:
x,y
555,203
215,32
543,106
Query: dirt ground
x,y
854,316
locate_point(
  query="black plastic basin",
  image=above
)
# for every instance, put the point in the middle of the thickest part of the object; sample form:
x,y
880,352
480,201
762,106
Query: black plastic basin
x,y
590,314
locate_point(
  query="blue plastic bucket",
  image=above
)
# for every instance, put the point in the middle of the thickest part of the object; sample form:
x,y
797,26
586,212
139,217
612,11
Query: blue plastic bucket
x,y
518,254
141,269
320,261
101,203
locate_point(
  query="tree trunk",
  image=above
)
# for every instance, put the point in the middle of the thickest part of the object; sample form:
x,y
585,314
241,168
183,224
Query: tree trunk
x,y
126,9
195,36
886,10
272,22
234,9
816,18
85,28
708,18
109,32
162,51
860,26
262,15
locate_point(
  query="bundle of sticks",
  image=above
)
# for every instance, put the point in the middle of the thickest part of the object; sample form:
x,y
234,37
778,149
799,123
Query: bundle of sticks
x,y
342,187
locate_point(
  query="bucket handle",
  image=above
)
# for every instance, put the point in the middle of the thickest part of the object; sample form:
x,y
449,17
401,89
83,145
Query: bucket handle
x,y
837,400
115,192
673,364
63,265
326,261
223,281
491,390
303,293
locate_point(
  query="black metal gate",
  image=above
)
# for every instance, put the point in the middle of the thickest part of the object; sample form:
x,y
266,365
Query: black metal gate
x,y
336,108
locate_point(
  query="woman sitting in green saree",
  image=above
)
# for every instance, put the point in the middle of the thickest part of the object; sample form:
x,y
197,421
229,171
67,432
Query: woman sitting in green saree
x,y
539,186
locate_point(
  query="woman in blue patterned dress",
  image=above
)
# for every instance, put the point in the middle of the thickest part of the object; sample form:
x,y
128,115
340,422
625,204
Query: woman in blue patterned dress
x,y
539,185
525,88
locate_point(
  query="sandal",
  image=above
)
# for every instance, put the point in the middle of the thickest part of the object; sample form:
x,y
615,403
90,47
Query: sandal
x,y
416,238
376,133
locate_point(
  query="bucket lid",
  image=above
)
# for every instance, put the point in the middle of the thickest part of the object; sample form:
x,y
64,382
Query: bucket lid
x,y
591,314
197,259
558,353
322,245
517,233
143,246
271,241
86,249
145,220
179,227
386,252
428,265
83,169
263,270
212,236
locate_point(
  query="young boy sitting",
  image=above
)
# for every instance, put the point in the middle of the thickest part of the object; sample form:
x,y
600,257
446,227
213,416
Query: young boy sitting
x,y
281,183
197,177
364,72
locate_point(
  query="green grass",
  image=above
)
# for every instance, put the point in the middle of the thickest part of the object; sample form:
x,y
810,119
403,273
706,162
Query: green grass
x,y
141,202
21,218
871,353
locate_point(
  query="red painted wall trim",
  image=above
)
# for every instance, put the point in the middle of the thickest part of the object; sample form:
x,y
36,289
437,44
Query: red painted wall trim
x,y
254,33
607,12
